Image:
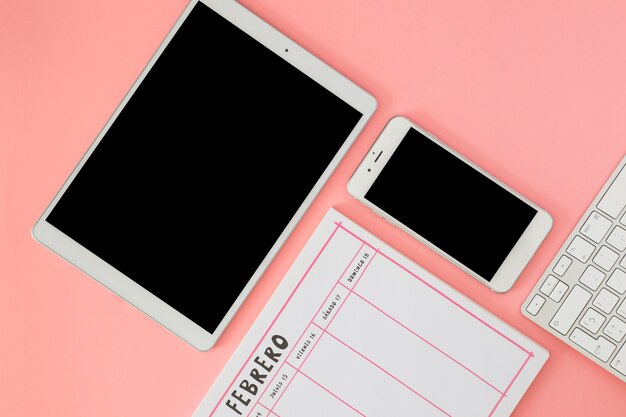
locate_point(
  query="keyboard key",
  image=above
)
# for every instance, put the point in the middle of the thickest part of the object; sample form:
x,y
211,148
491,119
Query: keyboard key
x,y
605,300
621,310
535,305
596,227
614,199
559,291
617,238
619,361
561,266
601,348
570,309
615,329
548,285
591,313
580,249
605,258
617,281
592,277
592,320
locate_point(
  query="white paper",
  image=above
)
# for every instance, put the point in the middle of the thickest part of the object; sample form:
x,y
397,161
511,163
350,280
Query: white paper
x,y
356,329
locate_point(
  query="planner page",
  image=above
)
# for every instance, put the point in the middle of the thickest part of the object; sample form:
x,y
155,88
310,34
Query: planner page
x,y
356,329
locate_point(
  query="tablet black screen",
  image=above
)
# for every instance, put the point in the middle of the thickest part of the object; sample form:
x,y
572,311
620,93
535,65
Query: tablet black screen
x,y
204,167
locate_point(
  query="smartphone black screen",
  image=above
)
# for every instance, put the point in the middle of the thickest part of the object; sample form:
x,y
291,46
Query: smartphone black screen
x,y
204,167
450,204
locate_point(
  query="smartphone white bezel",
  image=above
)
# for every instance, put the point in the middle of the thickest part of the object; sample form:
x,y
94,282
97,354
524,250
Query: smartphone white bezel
x,y
124,286
373,164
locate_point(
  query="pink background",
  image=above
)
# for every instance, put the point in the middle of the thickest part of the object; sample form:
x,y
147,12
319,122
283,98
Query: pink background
x,y
533,91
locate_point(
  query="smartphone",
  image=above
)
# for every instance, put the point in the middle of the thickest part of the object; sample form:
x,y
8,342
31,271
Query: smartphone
x,y
424,187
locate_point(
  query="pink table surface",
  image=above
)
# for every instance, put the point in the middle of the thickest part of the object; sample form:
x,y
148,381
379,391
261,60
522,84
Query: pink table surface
x,y
533,91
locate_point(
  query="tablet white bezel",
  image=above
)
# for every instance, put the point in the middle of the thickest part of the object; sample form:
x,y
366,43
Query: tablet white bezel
x,y
125,287
371,166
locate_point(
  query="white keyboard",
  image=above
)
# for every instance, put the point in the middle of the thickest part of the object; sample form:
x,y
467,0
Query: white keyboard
x,y
581,297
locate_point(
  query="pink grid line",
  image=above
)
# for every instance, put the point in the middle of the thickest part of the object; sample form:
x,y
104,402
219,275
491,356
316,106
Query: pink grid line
x,y
519,371
388,373
298,370
286,386
425,340
312,322
304,331
328,391
439,292
350,263
337,226
325,331
268,385
291,351
332,289
269,411
376,252
349,291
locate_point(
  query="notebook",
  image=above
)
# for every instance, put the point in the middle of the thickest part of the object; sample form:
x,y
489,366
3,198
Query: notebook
x,y
357,329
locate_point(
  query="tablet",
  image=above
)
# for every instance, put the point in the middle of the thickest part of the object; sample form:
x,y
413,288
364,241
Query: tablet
x,y
204,169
